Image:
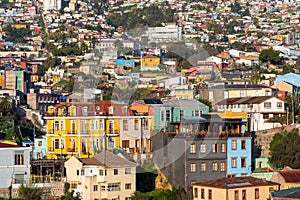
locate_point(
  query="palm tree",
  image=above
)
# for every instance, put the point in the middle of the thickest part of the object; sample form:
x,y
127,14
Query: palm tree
x,y
5,106
30,192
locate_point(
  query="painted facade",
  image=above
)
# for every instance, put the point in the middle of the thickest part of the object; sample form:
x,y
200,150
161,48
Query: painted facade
x,y
14,165
239,156
85,129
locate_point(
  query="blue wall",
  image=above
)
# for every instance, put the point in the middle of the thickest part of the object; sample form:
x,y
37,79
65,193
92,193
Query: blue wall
x,y
239,153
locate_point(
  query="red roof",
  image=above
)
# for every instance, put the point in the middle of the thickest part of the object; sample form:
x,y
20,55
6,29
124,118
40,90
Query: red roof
x,y
290,176
4,145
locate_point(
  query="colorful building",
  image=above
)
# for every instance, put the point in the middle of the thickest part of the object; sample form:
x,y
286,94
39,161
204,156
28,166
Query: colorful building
x,y
150,62
84,129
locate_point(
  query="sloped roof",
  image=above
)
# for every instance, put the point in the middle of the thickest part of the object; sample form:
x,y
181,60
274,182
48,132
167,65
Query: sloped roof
x,y
110,159
290,78
245,100
5,145
235,182
290,176
288,193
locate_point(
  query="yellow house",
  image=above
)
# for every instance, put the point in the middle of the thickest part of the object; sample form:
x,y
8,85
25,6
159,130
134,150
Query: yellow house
x,y
150,62
234,188
84,129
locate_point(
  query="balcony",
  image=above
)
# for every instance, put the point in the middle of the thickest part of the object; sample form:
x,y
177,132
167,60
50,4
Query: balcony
x,y
113,132
71,150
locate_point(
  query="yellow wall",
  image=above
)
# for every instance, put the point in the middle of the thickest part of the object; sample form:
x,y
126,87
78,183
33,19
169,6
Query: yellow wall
x,y
20,26
77,135
2,81
150,62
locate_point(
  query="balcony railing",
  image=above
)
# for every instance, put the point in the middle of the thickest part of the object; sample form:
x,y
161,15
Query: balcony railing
x,y
113,132
72,150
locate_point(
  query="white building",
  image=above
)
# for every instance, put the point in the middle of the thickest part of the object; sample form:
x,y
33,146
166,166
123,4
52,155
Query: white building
x,y
14,165
169,32
260,109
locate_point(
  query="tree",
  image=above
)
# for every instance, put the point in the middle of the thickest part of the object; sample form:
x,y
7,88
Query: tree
x,y
48,63
5,106
206,102
30,192
270,56
285,149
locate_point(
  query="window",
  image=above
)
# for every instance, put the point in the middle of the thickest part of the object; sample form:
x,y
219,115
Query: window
x,y
82,172
102,172
193,148
102,187
192,167
56,125
202,193
85,111
279,104
243,144
236,195
136,124
181,113
77,172
102,124
146,124
267,105
127,186
244,195
19,159
233,162
116,171
111,110
265,116
222,166
209,194
94,125
223,148
125,143
215,167
215,148
271,189
203,148
256,193
168,115
203,166
73,185
233,144
62,125
56,143
243,162
127,171
162,116
195,192
125,125
40,143
114,187
197,113
95,187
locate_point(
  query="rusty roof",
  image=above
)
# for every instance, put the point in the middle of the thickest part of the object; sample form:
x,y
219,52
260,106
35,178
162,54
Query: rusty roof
x,y
290,176
235,182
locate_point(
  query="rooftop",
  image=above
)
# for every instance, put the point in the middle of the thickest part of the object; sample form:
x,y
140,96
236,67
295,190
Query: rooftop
x,y
236,182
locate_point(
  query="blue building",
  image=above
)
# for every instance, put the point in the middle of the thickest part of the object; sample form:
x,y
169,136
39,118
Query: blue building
x,y
239,156
40,145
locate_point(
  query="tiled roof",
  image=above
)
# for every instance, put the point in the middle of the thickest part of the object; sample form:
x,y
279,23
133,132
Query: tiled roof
x,y
235,182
